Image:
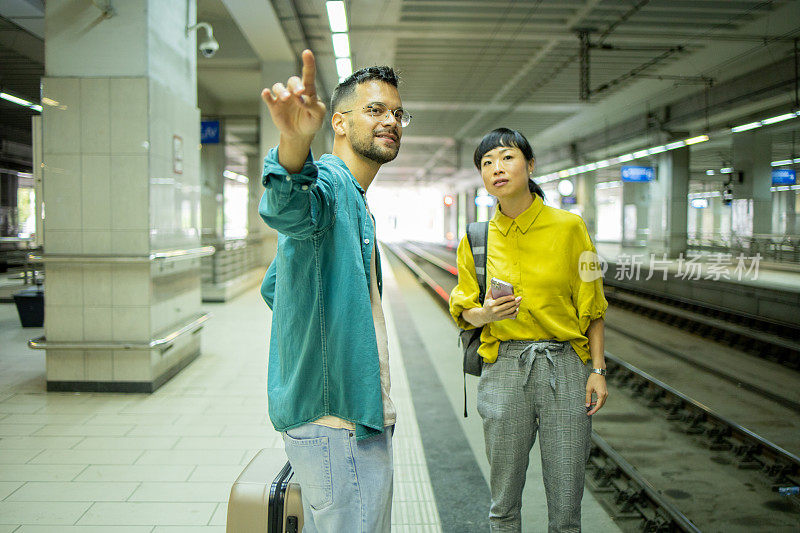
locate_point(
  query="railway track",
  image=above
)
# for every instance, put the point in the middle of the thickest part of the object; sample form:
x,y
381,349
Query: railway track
x,y
769,340
756,474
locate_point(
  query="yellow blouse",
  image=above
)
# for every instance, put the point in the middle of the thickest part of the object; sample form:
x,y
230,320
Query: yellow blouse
x,y
541,254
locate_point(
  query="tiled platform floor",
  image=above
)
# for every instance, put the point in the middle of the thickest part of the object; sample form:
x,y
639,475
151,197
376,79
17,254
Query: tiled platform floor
x,y
165,462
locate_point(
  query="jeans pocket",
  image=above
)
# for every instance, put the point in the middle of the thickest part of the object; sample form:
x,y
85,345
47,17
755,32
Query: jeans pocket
x,y
310,459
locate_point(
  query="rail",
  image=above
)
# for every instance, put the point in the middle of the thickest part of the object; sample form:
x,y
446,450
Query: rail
x,y
41,343
167,255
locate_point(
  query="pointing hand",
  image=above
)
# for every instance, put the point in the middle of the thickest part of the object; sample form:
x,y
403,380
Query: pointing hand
x,y
294,107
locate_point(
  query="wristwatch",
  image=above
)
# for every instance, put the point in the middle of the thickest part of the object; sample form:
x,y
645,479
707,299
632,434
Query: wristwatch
x,y
601,371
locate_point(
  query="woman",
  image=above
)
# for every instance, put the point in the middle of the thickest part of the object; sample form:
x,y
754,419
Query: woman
x,y
537,342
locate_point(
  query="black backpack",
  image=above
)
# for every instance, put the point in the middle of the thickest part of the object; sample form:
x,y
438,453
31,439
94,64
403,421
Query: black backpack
x,y
470,339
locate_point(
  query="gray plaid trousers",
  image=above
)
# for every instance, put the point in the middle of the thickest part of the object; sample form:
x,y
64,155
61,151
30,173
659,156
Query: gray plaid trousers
x,y
535,386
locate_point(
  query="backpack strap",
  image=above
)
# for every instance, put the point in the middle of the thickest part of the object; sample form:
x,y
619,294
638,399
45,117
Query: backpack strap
x,y
478,238
478,235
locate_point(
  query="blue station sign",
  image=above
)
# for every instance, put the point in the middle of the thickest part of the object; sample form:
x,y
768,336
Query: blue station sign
x,y
209,132
638,173
784,176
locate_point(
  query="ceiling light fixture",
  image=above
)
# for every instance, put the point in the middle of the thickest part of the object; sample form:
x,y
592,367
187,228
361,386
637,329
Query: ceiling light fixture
x,y
765,122
620,159
21,101
341,45
235,176
337,17
344,67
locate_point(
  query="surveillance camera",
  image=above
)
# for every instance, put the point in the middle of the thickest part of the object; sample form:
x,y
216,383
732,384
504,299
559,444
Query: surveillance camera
x,y
209,47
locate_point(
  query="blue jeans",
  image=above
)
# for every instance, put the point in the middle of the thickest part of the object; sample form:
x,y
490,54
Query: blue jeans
x,y
345,485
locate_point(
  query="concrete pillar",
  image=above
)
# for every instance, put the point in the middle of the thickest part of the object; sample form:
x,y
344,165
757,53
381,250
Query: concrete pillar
x,y
752,209
472,209
121,186
783,215
635,200
585,192
791,213
212,165
668,203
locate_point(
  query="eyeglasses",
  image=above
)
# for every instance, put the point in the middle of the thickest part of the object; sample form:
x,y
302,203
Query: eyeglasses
x,y
381,111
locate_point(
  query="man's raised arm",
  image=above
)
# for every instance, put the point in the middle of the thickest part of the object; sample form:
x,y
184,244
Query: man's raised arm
x,y
297,113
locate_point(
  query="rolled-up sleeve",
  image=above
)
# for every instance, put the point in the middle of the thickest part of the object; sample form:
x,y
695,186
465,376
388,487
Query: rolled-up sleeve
x,y
465,295
297,205
587,293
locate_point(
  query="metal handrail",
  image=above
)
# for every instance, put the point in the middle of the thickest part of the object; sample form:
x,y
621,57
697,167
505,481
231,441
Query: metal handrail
x,y
41,343
190,253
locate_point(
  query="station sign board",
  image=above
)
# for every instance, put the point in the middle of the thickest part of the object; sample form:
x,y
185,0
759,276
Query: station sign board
x,y
636,174
784,176
209,132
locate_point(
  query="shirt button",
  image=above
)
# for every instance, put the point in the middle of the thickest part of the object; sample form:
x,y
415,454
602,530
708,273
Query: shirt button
x,y
304,187
366,241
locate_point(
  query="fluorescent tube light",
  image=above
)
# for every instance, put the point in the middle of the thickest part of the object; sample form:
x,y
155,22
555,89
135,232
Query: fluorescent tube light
x,y
16,100
21,101
695,140
336,16
341,44
235,176
745,127
344,67
676,144
779,118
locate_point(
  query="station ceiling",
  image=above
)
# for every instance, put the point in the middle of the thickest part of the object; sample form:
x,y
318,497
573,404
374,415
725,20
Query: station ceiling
x,y
468,66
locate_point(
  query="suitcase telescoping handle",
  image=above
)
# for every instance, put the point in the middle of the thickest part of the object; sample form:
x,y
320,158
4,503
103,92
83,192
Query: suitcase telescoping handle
x,y
277,500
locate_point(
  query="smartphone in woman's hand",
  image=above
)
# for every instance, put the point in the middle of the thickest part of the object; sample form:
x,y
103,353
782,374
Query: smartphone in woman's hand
x,y
501,288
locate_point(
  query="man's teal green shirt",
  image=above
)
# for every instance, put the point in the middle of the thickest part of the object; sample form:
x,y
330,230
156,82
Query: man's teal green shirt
x,y
323,354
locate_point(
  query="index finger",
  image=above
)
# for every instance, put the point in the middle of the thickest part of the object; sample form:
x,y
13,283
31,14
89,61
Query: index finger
x,y
309,73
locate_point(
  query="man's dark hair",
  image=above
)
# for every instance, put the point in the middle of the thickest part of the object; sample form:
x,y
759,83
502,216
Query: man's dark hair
x,y
347,87
507,137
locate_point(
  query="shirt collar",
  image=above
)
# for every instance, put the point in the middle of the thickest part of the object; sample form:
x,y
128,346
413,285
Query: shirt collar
x,y
523,221
336,160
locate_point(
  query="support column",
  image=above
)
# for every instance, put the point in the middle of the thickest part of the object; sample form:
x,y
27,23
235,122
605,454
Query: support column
x,y
752,205
669,203
635,201
121,185
472,209
791,213
212,201
585,192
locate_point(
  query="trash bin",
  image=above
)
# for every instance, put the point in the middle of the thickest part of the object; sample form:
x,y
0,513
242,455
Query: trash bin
x,y
30,307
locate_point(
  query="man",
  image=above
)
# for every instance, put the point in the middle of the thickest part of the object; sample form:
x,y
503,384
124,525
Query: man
x,y
328,380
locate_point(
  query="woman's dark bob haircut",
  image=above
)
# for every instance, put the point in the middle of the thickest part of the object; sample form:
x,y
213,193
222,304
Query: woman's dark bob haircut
x,y
507,137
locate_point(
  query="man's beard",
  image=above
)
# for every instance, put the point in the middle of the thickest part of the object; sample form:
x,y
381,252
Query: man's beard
x,y
365,146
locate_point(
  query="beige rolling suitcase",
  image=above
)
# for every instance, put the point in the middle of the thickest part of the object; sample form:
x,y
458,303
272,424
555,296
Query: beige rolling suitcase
x,y
263,499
